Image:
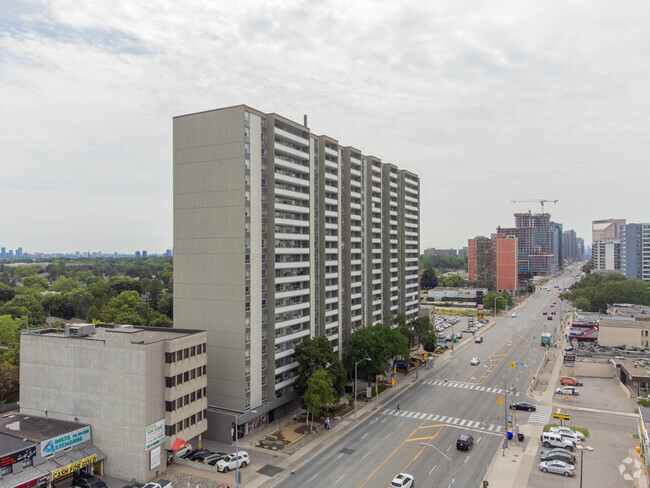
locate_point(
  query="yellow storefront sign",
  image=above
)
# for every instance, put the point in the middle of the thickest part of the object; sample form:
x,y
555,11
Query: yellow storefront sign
x,y
71,468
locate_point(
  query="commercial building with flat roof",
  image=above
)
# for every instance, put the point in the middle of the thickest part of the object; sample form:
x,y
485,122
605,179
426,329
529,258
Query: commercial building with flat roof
x,y
281,235
139,388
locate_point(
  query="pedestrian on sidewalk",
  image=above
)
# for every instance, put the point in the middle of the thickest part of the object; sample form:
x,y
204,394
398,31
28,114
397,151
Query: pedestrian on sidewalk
x,y
398,409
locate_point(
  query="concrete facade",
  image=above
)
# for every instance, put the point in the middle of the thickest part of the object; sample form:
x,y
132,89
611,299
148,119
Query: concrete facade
x,y
624,331
635,251
281,235
120,381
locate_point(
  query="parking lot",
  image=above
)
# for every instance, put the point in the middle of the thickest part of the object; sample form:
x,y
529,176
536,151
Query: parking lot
x,y
448,328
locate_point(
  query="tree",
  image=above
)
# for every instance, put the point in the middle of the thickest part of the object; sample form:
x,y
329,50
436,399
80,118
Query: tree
x,y
378,342
6,292
64,284
428,279
166,305
429,341
27,307
37,282
319,392
154,291
80,300
9,382
318,353
454,280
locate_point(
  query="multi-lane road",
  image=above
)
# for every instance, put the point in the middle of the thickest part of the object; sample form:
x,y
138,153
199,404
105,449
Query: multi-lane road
x,y
386,441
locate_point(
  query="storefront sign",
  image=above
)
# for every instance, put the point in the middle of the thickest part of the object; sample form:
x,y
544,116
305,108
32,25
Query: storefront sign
x,y
41,480
69,439
156,457
17,457
71,468
155,434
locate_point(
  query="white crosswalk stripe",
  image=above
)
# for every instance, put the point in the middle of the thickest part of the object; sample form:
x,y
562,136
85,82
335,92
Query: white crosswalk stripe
x,y
469,386
450,421
541,415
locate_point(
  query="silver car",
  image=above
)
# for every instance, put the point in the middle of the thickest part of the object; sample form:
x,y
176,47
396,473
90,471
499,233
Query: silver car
x,y
557,467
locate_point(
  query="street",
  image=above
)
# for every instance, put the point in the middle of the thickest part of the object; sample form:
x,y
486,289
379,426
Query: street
x,y
387,441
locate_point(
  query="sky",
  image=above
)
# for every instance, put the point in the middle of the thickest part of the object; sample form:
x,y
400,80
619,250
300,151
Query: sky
x,y
488,102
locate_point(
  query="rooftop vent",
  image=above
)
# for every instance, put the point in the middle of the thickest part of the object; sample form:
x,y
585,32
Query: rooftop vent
x,y
79,330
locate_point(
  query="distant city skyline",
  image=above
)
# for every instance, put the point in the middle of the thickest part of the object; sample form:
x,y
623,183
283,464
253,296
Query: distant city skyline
x,y
488,103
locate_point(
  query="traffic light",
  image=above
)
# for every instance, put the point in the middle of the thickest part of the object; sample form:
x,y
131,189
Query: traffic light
x,y
381,377
512,364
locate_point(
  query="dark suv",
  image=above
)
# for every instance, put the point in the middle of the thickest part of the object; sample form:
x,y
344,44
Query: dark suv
x,y
84,480
464,442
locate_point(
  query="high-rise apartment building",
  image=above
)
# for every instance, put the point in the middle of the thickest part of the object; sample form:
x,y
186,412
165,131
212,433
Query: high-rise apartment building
x,y
606,255
281,235
480,261
572,245
606,229
635,251
506,266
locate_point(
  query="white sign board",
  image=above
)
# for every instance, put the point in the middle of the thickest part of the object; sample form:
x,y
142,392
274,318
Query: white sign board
x,y
156,457
155,434
69,439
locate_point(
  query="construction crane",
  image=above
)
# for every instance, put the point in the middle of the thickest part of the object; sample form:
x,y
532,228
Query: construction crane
x,y
542,201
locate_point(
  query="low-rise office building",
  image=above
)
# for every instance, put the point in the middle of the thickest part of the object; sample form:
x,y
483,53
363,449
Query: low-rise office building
x,y
39,452
624,331
140,388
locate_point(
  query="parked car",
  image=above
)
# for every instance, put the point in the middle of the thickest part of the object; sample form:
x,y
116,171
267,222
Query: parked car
x,y
551,439
475,361
464,442
557,467
544,313
184,451
194,452
567,390
568,430
513,315
566,452
568,380
557,456
202,457
84,480
479,339
550,317
213,458
231,460
402,480
523,406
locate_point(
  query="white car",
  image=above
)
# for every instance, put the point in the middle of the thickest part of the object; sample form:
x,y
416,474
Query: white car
x,y
402,480
513,315
567,430
230,462
475,361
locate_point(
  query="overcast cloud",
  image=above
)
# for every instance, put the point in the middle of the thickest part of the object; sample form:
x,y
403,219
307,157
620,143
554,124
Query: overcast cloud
x,y
487,101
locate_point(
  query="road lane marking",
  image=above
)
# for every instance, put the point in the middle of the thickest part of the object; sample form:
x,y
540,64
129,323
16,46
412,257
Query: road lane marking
x,y
390,455
389,434
365,455
434,467
342,476
364,435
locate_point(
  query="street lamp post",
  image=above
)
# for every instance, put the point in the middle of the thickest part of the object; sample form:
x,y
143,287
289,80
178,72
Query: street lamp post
x,y
237,444
451,464
355,386
582,452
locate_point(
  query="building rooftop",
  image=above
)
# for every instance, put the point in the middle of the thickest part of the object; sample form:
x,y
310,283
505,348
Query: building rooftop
x,y
35,429
627,322
97,332
9,444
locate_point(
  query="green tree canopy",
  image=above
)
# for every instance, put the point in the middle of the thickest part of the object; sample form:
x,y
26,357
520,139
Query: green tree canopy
x,y
319,392
64,284
318,353
428,279
37,282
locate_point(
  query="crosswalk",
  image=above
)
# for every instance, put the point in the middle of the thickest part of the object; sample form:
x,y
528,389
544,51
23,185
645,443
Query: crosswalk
x,y
469,386
442,419
541,415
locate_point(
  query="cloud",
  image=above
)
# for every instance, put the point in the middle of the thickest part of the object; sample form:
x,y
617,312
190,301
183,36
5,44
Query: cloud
x,y
487,102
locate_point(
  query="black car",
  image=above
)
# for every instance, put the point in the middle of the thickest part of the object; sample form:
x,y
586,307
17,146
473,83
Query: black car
x,y
557,456
196,453
550,317
559,450
84,480
464,442
523,406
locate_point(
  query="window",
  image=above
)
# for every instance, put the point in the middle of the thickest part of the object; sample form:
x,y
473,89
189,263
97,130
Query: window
x,y
186,376
193,419
205,347
170,357
170,381
170,406
199,416
179,426
179,379
4,471
186,353
186,423
193,351
199,372
192,374
28,462
179,403
193,396
204,369
205,390
187,399
179,355
199,394
170,429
